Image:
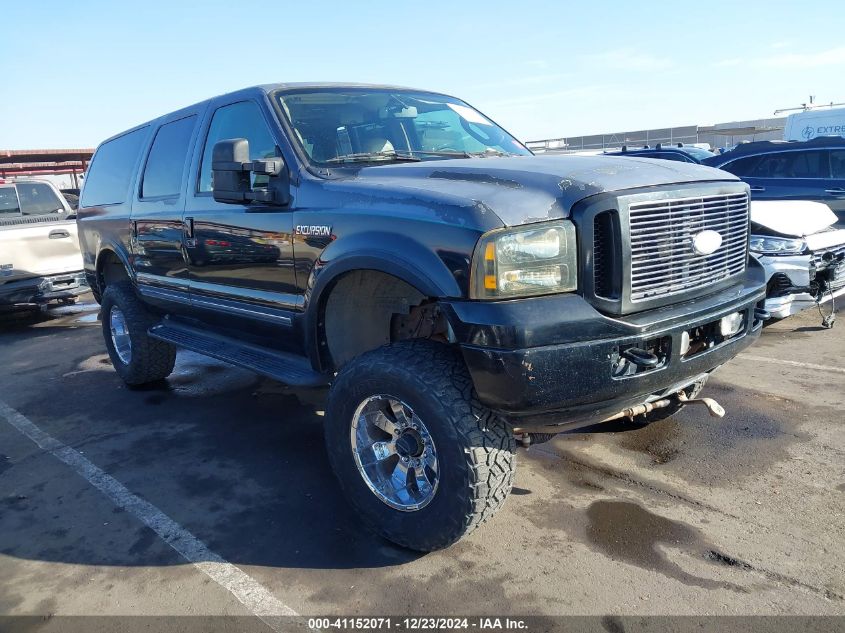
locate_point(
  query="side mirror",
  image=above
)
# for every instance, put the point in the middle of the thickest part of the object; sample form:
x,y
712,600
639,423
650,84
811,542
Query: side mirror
x,y
230,170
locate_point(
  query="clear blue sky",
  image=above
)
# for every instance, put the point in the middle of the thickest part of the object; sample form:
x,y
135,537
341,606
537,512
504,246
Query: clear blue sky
x,y
75,72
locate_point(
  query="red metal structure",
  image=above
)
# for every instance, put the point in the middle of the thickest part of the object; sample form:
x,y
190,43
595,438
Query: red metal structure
x,y
44,162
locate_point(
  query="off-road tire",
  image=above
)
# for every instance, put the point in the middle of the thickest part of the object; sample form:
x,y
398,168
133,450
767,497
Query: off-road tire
x,y
152,360
475,447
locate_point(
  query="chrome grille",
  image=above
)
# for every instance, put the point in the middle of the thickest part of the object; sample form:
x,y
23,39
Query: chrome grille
x,y
663,262
839,274
819,263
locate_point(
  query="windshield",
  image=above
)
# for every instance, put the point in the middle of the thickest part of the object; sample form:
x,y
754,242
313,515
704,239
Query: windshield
x,y
347,125
697,152
9,204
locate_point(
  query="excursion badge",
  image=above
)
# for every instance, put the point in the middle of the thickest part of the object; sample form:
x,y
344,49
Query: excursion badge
x,y
313,230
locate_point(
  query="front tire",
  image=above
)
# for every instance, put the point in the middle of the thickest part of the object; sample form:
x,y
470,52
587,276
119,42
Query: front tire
x,y
417,455
138,358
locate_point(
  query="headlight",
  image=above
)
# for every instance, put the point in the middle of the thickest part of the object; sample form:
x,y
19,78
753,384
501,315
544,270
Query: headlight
x,y
769,245
534,260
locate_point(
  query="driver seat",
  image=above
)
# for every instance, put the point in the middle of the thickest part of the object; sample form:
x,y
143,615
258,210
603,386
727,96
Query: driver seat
x,y
375,144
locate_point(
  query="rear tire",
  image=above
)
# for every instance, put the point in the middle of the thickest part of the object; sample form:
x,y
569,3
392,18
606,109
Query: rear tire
x,y
138,358
472,449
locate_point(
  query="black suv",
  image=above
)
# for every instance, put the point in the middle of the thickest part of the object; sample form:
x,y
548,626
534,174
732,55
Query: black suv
x,y
454,290
680,152
791,170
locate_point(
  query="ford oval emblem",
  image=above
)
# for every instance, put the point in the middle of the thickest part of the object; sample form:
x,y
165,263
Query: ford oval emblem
x,y
706,242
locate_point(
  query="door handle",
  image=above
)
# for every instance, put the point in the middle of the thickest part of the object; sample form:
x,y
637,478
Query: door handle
x,y
757,189
58,234
188,233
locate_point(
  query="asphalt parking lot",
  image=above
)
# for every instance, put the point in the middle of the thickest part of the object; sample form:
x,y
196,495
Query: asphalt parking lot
x,y
692,515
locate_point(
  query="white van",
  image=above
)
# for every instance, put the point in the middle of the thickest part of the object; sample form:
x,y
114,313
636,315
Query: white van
x,y
807,125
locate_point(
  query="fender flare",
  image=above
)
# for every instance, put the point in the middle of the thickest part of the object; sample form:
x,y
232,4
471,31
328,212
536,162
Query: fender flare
x,y
404,258
122,256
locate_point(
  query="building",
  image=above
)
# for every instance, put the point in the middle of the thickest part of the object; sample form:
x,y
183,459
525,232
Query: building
x,y
719,135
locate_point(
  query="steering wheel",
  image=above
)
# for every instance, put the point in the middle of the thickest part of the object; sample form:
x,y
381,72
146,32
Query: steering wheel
x,y
475,131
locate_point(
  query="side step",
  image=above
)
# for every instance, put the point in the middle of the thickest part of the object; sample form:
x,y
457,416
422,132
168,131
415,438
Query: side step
x,y
290,369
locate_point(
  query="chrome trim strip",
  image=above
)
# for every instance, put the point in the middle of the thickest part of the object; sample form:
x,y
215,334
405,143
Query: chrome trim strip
x,y
283,300
228,298
166,295
264,315
162,280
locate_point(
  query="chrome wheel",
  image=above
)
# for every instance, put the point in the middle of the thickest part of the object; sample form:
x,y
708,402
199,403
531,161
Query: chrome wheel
x,y
120,335
394,453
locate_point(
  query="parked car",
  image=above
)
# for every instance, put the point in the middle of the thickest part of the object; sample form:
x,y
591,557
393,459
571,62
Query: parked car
x,y
454,290
40,259
802,253
791,170
679,152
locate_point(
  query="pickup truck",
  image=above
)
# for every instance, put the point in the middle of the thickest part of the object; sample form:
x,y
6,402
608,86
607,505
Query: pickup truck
x,y
40,259
453,290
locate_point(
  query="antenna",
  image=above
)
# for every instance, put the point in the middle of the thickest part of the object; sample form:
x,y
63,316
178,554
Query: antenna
x,y
804,107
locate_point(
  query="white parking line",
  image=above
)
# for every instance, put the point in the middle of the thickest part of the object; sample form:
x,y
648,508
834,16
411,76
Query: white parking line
x,y
248,591
793,363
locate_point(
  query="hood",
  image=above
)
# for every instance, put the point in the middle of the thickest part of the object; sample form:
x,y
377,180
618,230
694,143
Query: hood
x,y
797,218
525,189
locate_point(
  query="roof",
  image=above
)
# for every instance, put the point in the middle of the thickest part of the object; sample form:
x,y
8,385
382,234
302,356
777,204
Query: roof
x,y
265,88
756,147
19,162
765,147
322,85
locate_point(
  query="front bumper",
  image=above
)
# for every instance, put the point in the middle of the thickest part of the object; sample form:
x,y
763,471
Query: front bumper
x,y
787,305
551,360
795,268
41,290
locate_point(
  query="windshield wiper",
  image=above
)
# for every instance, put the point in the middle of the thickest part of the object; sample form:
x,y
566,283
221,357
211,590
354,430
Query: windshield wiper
x,y
450,153
411,155
460,153
364,157
490,152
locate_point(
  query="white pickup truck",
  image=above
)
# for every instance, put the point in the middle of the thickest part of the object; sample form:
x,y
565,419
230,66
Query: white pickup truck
x,y
40,259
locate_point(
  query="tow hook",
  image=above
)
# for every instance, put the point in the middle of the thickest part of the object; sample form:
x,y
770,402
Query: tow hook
x,y
713,408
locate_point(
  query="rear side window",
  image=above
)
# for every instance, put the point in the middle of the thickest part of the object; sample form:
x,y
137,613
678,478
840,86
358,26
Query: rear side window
x,y
239,120
37,198
8,202
793,165
166,162
110,173
837,164
742,167
676,156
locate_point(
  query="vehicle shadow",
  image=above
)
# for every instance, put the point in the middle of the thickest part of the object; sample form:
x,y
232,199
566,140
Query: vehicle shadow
x,y
236,459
